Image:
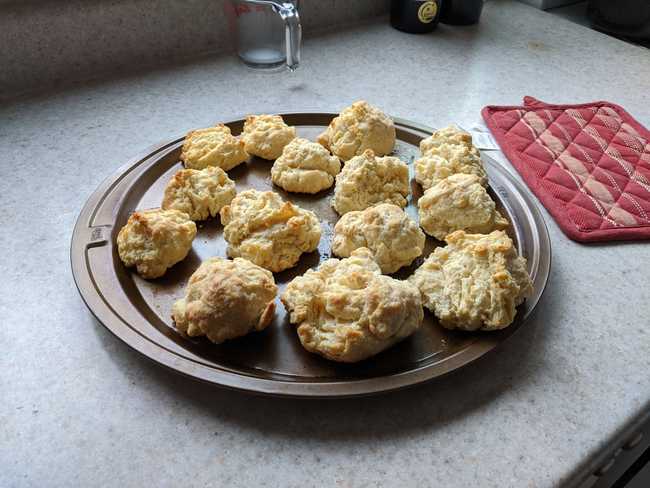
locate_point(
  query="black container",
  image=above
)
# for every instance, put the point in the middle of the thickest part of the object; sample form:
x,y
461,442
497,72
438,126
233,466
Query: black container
x,y
415,16
625,18
461,12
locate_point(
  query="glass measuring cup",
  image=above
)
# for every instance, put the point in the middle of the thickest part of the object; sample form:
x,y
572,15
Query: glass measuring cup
x,y
267,33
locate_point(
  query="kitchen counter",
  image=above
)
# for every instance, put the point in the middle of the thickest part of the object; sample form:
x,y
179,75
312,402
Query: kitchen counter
x,y
79,408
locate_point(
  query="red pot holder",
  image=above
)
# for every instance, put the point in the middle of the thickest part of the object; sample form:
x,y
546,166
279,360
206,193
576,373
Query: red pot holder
x,y
589,165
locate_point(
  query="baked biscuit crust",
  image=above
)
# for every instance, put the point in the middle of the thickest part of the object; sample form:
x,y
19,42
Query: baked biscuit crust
x,y
347,311
458,202
268,231
266,135
357,128
214,146
446,160
154,240
393,238
199,193
450,135
305,167
475,282
226,299
446,152
367,180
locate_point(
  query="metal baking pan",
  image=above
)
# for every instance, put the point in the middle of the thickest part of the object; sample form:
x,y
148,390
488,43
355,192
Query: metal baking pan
x,y
273,362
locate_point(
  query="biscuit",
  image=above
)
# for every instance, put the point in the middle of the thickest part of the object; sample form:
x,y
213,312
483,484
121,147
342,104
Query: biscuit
x,y
347,311
199,193
305,167
458,202
450,135
266,135
214,146
357,128
475,282
154,240
393,238
445,160
268,231
226,299
367,180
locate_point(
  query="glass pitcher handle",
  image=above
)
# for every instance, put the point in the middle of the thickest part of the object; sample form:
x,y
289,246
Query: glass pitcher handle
x,y
293,33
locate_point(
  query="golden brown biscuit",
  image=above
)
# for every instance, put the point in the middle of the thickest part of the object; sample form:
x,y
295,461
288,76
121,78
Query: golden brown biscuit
x,y
266,135
214,146
357,128
367,180
154,240
346,310
305,167
393,238
445,160
268,231
199,193
226,299
458,202
475,282
450,135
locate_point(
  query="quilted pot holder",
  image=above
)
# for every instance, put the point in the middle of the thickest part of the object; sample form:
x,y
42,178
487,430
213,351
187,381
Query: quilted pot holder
x,y
589,164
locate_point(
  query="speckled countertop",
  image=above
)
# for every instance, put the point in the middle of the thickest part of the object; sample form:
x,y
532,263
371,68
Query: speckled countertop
x,y
79,408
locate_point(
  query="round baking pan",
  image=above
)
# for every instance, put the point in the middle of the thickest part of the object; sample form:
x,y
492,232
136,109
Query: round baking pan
x,y
272,361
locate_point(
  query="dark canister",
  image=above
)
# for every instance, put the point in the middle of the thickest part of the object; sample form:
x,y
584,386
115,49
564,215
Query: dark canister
x,y
461,12
415,16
